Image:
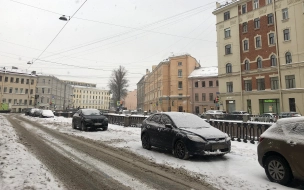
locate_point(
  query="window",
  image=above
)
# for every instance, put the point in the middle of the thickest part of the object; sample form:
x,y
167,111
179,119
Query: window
x,y
255,4
27,81
258,42
20,101
180,84
203,84
4,100
31,102
227,15
217,83
245,28
42,90
5,89
274,83
17,80
285,13
22,81
25,102
227,32
12,79
245,45
11,90
248,85
268,2
261,84
273,60
26,91
227,49
49,82
256,23
286,35
259,63
288,57
270,18
210,96
32,81
15,101
229,86
228,68
6,79
21,90
41,101
10,101
247,65
0,78
290,81
244,8
203,96
180,64
196,84
271,38
210,83
31,91
49,90
43,81
16,90
196,97
180,73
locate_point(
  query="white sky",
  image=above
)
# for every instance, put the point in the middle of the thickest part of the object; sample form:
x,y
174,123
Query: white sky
x,y
119,37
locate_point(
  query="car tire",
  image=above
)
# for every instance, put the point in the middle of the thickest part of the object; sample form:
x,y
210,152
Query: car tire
x,y
73,125
275,163
180,150
105,128
83,127
145,141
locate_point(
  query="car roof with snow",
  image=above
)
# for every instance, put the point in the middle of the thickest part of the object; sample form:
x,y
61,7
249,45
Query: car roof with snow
x,y
284,121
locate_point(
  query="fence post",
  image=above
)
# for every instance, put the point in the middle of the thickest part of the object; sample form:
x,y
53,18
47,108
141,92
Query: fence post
x,y
126,121
245,118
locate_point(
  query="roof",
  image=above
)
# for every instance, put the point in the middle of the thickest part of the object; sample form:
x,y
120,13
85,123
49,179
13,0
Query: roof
x,y
204,72
17,71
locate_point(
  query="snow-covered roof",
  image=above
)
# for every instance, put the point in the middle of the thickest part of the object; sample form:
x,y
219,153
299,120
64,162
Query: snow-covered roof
x,y
17,71
204,72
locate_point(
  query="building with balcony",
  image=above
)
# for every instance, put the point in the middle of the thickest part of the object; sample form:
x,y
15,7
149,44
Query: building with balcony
x,y
260,55
17,88
204,86
167,87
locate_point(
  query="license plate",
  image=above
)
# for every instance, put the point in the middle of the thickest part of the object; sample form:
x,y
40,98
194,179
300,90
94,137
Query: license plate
x,y
217,146
97,124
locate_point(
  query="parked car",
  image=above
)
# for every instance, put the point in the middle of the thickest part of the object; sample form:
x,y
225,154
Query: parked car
x,y
37,113
31,113
46,114
27,111
289,114
281,150
85,119
239,113
267,117
215,114
185,134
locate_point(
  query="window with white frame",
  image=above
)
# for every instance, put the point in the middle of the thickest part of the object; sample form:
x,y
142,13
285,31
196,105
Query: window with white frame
x,y
229,86
247,65
274,83
270,18
227,32
288,57
180,84
245,45
255,4
228,68
261,84
227,15
258,43
268,2
180,64
248,85
245,27
244,9
196,97
259,63
273,60
290,81
271,38
286,34
228,49
285,13
257,23
180,72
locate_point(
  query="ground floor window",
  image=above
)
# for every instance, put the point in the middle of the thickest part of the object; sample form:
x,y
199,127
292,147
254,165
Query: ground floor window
x,y
292,104
269,106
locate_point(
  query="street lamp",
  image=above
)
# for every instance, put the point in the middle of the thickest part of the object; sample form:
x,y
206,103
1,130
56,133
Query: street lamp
x,y
64,18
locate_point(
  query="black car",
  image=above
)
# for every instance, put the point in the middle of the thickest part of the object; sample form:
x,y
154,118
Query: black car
x,y
85,119
27,111
185,134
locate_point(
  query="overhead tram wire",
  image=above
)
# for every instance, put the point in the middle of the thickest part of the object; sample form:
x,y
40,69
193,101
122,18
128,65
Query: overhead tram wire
x,y
59,32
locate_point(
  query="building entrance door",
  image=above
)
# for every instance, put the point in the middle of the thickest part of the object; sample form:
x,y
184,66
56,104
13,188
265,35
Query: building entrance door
x,y
180,108
230,105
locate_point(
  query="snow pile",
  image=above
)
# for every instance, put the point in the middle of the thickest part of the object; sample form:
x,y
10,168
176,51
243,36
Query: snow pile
x,y
19,169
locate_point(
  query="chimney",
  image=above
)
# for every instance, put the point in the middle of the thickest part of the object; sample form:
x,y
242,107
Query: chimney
x,y
33,73
218,4
147,71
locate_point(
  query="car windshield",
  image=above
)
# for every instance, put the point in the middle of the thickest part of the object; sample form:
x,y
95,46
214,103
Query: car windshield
x,y
91,112
187,120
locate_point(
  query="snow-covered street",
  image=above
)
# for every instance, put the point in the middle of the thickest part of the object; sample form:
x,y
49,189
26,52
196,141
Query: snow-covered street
x,y
236,170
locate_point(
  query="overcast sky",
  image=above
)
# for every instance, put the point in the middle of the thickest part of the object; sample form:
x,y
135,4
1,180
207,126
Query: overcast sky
x,y
103,35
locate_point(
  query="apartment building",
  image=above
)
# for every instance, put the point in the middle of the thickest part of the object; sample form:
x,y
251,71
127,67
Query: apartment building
x,y
53,93
90,97
166,86
141,94
260,55
204,86
17,88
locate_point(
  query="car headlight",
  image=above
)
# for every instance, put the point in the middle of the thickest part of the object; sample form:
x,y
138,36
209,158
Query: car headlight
x,y
87,120
196,138
227,138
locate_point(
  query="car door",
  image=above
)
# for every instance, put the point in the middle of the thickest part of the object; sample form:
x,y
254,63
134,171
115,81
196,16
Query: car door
x,y
167,135
152,126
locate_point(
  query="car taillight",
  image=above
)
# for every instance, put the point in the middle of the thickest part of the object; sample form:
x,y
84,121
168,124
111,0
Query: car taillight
x,y
261,139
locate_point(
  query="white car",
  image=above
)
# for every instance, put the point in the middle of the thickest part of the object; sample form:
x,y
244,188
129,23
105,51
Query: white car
x,y
47,114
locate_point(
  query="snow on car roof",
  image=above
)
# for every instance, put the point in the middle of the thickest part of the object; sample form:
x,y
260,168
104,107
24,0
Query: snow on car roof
x,y
290,120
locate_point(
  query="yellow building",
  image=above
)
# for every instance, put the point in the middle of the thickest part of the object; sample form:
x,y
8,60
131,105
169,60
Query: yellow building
x,y
166,86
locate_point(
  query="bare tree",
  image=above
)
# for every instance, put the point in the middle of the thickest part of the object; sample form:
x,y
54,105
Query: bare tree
x,y
118,83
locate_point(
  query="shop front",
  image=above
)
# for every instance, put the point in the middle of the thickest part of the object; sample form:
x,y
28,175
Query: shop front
x,y
269,106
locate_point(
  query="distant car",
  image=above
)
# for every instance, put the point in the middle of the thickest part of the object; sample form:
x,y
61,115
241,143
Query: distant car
x,y
85,119
281,150
37,113
239,113
185,134
289,114
31,113
215,114
47,114
267,117
27,111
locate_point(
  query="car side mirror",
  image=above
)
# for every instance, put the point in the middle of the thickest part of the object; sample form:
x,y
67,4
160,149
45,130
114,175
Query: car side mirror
x,y
169,126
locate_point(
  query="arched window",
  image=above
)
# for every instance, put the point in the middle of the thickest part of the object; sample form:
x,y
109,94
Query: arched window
x,y
273,60
259,63
288,57
247,65
228,68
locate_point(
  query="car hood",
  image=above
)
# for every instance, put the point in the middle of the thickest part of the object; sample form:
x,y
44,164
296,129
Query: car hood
x,y
207,133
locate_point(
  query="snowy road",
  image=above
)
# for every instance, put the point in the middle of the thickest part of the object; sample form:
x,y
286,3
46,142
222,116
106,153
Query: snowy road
x,y
85,164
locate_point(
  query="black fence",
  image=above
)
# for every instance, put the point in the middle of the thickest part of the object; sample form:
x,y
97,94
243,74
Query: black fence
x,y
126,120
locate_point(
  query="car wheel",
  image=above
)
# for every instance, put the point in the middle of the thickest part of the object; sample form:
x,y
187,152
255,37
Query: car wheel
x,y
105,128
83,127
145,141
278,170
180,150
73,125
